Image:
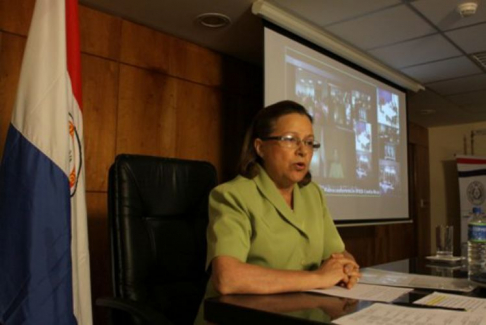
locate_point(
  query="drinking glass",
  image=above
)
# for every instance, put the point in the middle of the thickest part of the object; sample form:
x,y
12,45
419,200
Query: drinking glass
x,y
444,240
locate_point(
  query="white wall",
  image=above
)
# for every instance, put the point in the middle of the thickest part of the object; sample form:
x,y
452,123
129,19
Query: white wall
x,y
444,143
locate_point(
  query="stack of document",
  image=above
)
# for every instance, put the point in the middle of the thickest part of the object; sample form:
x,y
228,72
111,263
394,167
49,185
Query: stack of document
x,y
469,304
365,292
397,279
436,308
386,314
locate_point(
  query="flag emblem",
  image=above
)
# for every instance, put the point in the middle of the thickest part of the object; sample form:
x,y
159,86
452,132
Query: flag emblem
x,y
75,156
475,193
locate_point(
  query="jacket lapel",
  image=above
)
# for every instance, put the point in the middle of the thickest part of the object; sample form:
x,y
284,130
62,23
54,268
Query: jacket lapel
x,y
269,190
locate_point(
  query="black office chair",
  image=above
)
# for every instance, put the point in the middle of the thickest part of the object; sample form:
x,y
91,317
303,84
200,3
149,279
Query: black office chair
x,y
158,217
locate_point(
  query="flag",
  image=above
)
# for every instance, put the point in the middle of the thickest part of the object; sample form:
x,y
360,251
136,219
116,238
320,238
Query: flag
x,y
44,258
472,189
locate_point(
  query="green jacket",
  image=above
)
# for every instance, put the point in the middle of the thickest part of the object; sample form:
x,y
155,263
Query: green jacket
x,y
250,221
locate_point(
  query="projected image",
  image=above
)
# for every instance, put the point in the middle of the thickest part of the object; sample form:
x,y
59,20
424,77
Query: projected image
x,y
359,121
389,141
342,124
361,103
363,150
310,91
340,157
305,89
363,165
389,134
390,152
388,108
363,136
340,106
389,177
336,166
319,164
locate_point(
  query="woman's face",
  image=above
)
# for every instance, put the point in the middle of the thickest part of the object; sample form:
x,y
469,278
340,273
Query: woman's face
x,y
287,166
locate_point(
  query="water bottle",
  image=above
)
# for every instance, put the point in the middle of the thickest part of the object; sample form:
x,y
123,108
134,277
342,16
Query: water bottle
x,y
476,244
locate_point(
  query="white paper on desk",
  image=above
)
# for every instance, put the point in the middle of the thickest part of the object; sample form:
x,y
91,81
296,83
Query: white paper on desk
x,y
385,314
470,304
365,292
398,279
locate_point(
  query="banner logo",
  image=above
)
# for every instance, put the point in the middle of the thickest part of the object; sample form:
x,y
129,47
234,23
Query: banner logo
x,y
475,193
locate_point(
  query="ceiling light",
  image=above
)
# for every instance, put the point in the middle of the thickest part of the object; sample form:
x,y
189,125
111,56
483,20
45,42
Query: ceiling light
x,y
481,58
467,9
213,20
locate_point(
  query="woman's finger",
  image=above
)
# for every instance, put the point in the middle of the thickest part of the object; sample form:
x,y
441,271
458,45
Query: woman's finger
x,y
346,261
337,255
345,279
353,272
352,281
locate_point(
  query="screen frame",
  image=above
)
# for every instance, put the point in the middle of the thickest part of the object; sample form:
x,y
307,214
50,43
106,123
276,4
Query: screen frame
x,y
354,66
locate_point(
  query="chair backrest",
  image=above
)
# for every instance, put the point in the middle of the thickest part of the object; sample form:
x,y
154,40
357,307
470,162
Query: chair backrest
x,y
158,213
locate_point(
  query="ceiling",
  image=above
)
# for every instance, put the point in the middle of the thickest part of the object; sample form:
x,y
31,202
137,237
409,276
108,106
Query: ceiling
x,y
425,39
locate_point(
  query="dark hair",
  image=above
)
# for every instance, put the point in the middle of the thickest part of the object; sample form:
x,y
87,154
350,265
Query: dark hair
x,y
263,125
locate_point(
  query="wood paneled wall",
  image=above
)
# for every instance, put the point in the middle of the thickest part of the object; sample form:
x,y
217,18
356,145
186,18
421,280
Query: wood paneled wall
x,y
150,93
144,92
419,183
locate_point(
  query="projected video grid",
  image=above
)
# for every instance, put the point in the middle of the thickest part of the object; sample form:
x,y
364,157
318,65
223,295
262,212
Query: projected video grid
x,y
358,125
359,118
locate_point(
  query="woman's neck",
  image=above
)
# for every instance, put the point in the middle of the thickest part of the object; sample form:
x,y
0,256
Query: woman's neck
x,y
287,195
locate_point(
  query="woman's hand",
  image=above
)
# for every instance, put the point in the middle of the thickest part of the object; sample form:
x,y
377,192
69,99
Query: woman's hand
x,y
231,276
338,269
351,270
353,274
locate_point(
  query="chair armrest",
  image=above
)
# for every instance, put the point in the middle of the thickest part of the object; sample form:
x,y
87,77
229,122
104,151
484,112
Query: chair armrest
x,y
144,312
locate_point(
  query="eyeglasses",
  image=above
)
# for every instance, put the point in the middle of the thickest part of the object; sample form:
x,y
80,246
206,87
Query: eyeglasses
x,y
293,142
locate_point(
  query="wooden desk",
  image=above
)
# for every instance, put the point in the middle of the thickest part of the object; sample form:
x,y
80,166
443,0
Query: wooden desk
x,y
309,308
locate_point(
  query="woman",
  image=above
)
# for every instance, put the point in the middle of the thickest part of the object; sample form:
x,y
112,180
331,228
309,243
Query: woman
x,y
269,229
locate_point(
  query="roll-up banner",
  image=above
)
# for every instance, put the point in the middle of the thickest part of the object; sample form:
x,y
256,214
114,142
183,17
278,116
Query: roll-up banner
x,y
472,189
